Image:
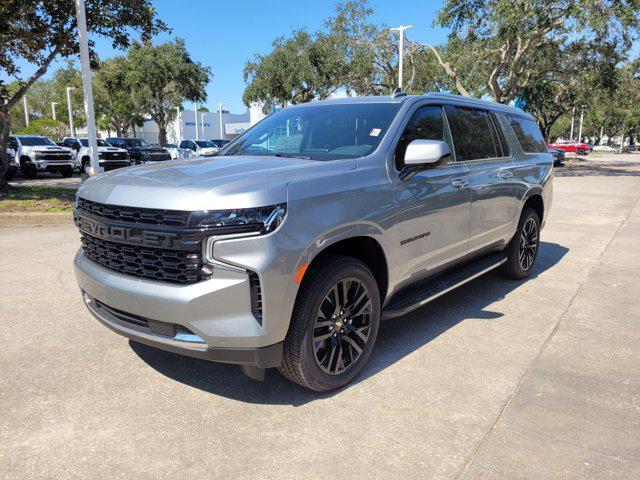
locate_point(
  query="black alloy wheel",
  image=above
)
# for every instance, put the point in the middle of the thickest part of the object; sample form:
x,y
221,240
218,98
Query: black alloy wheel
x,y
342,326
529,239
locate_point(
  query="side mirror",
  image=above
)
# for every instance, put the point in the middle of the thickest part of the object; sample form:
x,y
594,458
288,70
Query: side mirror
x,y
425,152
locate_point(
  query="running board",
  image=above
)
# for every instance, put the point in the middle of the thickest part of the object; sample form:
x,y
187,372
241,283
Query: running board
x,y
430,290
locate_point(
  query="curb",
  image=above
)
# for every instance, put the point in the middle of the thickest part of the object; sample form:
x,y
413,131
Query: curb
x,y
28,219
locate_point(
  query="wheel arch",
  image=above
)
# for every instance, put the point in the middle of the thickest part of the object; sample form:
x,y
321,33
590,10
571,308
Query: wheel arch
x,y
535,200
364,248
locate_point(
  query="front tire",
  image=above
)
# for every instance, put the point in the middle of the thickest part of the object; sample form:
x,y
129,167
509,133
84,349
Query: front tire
x,y
580,151
334,325
67,172
523,248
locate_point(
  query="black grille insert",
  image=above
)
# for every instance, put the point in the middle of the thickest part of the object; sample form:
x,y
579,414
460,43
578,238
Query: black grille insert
x,y
153,263
255,292
147,216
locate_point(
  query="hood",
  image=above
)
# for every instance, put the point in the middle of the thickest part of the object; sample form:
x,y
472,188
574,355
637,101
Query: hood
x,y
48,149
206,183
146,149
111,149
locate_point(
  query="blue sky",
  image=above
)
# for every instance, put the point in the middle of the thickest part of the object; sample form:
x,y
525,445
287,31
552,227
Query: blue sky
x,y
224,35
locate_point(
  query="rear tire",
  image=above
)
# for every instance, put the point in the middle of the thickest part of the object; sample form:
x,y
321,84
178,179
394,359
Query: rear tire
x,y
9,174
523,248
334,325
29,171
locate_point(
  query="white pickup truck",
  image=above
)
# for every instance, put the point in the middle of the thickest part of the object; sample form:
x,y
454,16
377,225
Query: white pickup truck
x,y
110,157
39,154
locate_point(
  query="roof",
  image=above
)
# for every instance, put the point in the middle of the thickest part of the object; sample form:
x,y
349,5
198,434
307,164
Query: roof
x,y
429,95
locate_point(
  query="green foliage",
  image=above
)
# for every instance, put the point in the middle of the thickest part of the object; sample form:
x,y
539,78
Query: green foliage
x,y
45,127
161,77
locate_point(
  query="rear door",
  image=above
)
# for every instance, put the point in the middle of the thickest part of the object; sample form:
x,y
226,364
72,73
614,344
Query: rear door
x,y
480,145
433,205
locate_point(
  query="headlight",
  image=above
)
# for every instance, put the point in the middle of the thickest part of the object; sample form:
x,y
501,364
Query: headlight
x,y
260,220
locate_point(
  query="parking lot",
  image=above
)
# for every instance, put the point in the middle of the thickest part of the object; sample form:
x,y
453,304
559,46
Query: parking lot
x,y
499,379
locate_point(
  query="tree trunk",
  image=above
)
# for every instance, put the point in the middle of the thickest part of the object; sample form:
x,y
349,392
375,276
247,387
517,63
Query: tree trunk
x,y
5,128
162,127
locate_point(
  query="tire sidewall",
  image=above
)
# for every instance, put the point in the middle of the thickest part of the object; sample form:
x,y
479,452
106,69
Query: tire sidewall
x,y
351,268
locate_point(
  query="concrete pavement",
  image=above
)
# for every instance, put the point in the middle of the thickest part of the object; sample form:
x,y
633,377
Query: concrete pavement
x,y
499,379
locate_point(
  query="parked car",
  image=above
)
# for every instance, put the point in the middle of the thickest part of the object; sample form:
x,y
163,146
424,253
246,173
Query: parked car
x,y
571,146
200,147
605,148
140,151
12,166
40,154
109,157
177,152
558,156
317,223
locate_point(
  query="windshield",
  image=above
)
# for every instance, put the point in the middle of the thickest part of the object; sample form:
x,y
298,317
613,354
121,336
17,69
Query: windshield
x,y
170,145
101,143
205,144
318,132
135,142
35,141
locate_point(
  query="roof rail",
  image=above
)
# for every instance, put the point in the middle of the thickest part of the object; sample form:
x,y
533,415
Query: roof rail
x,y
398,93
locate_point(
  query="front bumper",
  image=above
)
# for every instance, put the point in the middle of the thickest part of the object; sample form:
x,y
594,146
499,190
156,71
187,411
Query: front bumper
x,y
45,165
217,313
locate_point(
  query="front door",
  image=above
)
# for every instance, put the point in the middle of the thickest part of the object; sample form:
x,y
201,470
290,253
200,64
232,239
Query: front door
x,y
480,144
433,206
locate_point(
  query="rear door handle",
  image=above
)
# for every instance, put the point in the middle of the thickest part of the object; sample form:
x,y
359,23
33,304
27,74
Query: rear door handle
x,y
459,183
505,175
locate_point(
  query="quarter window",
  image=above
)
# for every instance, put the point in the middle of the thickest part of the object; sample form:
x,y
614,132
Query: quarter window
x,y
528,134
472,134
427,123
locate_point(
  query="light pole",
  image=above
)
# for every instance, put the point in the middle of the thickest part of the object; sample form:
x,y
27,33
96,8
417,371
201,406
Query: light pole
x,y
72,132
220,118
26,110
401,30
202,123
53,110
195,114
573,114
580,128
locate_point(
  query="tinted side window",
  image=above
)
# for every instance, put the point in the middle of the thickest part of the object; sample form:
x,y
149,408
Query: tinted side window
x,y
426,124
12,143
528,134
472,133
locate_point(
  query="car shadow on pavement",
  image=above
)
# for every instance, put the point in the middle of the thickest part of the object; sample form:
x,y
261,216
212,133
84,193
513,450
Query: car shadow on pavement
x,y
396,339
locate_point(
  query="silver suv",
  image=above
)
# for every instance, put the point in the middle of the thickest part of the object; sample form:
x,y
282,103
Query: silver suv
x,y
323,219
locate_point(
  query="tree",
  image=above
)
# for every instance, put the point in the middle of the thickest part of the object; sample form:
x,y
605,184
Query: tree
x,y
114,99
40,31
298,70
163,76
45,127
506,35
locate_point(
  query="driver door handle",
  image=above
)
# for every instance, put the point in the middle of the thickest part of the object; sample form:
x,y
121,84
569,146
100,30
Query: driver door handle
x,y
459,183
506,175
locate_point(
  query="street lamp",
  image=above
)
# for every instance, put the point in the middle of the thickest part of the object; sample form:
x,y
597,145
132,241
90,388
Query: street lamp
x,y
26,110
71,129
53,110
220,118
580,128
401,30
202,122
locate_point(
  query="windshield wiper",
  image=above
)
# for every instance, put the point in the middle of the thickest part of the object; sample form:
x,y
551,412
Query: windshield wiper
x,y
292,155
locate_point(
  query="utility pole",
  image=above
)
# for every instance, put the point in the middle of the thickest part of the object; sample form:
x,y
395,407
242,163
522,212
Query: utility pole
x,y
195,114
26,110
72,132
53,110
204,137
401,30
179,126
92,135
573,114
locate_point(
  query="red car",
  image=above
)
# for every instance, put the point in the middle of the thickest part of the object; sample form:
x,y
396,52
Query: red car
x,y
571,146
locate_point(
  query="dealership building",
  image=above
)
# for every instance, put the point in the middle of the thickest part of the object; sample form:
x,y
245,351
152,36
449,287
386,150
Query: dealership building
x,y
210,126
